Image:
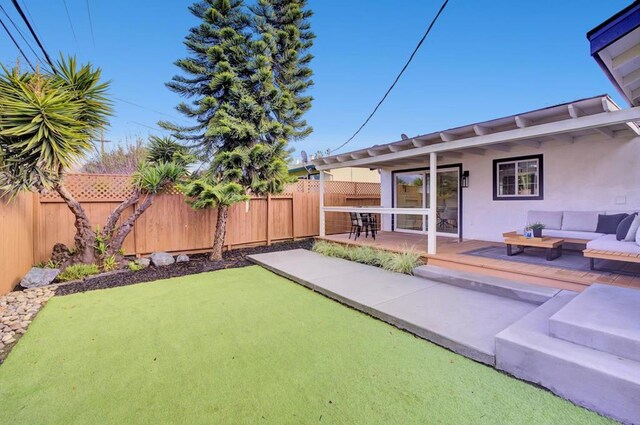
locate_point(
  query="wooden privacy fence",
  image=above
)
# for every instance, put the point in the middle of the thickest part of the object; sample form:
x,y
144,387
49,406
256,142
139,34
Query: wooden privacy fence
x,y
17,250
34,223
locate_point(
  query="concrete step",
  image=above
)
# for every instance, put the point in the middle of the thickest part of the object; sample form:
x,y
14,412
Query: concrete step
x,y
599,381
603,317
491,285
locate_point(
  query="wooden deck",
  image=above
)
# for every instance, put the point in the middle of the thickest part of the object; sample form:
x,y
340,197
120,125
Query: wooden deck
x,y
450,255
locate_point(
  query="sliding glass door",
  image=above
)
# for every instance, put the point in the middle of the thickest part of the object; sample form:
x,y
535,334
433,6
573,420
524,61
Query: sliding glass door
x,y
412,191
410,194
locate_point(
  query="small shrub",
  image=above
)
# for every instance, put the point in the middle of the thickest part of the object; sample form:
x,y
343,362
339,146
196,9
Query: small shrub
x,y
78,271
401,262
110,263
134,266
46,265
100,242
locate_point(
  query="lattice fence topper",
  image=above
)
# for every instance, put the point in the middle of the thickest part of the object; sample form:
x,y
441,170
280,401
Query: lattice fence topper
x,y
96,188
118,187
337,187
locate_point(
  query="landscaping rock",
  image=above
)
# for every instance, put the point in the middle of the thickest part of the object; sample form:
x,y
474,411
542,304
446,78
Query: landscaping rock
x,y
144,262
162,259
60,254
37,277
182,258
17,310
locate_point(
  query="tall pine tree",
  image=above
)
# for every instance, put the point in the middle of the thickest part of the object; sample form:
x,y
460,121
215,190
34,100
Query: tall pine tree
x,y
284,26
244,115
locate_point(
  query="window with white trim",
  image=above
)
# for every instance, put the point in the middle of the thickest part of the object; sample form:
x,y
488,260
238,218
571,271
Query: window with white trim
x,y
518,178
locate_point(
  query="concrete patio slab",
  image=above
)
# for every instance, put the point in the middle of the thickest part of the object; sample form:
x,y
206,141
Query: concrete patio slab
x,y
463,320
306,264
370,287
603,317
599,381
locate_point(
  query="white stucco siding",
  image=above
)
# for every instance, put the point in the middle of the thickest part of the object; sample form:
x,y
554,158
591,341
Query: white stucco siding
x,y
599,175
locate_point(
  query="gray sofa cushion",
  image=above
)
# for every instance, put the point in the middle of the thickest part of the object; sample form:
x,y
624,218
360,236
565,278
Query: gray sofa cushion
x,y
609,223
551,219
631,234
624,226
581,221
609,243
572,234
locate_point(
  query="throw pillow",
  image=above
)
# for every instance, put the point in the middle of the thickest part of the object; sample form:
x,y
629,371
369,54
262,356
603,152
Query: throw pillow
x,y
638,237
608,224
624,226
631,234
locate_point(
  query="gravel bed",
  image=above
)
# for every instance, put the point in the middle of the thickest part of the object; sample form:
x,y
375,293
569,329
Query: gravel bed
x,y
17,310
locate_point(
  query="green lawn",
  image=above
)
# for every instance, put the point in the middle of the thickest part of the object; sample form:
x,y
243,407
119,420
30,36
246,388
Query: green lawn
x,y
245,346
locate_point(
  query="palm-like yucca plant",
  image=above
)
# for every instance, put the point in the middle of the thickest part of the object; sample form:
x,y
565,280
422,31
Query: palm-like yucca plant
x,y
233,176
47,122
166,164
206,192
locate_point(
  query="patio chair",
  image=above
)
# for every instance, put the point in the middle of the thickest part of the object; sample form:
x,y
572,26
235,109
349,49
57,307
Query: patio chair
x,y
356,225
370,224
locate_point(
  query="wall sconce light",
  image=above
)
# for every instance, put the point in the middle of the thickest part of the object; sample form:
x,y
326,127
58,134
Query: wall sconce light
x,y
464,182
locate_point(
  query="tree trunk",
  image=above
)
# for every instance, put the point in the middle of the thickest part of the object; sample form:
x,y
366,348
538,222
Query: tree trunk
x,y
84,237
219,234
110,226
119,235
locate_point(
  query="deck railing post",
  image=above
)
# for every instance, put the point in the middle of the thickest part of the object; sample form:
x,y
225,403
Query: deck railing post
x,y
322,224
433,204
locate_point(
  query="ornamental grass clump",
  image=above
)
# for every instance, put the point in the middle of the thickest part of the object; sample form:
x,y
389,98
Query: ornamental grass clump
x,y
78,271
399,262
403,262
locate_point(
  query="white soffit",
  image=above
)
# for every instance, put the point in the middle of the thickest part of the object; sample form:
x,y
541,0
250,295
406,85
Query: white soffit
x,y
595,117
622,59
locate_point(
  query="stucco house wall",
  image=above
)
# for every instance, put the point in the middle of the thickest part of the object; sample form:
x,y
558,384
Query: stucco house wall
x,y
347,174
353,174
598,175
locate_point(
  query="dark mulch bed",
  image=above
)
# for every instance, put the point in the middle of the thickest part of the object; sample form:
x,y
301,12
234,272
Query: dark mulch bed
x,y
197,264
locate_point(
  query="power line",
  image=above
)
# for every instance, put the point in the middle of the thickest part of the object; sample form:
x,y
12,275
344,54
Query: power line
x,y
147,126
148,109
404,68
35,36
17,45
20,33
66,9
90,23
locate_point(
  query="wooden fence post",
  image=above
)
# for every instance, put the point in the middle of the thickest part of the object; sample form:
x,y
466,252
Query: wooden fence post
x,y
269,218
293,215
35,235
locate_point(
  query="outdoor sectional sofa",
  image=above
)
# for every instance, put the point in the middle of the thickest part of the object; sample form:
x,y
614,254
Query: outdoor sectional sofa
x,y
580,227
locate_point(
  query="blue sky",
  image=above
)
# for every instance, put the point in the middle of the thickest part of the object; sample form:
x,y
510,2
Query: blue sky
x,y
483,60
